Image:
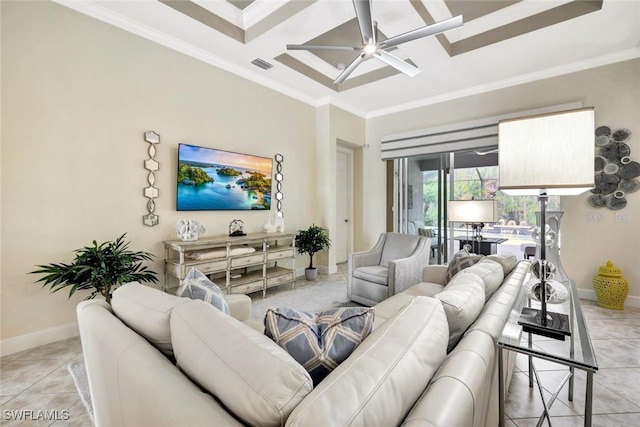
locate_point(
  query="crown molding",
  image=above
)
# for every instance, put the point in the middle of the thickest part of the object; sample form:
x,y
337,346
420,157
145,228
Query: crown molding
x,y
573,67
95,10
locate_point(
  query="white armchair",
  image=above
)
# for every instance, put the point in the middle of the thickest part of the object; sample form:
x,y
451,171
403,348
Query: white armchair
x,y
394,264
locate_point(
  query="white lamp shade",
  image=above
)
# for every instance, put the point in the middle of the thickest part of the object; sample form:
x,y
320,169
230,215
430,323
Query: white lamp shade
x,y
471,211
551,152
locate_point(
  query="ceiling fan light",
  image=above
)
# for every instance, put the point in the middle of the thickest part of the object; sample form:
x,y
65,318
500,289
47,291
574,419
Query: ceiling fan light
x,y
370,49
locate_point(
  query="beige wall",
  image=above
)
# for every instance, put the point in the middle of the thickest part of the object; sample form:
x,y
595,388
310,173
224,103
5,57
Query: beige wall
x,y
77,95
335,127
614,90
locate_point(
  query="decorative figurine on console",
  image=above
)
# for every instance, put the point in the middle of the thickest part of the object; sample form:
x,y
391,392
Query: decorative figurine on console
x,y
236,228
189,230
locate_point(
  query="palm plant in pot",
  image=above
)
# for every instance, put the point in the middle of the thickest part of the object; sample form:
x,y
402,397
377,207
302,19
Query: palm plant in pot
x,y
309,241
102,268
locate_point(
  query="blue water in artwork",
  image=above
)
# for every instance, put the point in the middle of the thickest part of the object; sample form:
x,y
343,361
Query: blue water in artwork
x,y
216,196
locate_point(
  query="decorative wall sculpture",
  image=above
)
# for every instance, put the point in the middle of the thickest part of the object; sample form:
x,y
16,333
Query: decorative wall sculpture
x,y
151,192
616,174
189,230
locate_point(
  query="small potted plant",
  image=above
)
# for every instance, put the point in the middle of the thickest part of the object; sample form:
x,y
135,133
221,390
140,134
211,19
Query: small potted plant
x,y
102,268
309,241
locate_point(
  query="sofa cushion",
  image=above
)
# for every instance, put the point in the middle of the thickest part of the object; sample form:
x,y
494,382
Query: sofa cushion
x,y
147,311
398,246
379,383
459,393
462,300
373,273
460,260
491,274
425,289
252,376
319,342
388,308
198,286
507,260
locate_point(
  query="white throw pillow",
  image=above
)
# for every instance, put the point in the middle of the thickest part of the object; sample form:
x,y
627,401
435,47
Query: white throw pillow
x,y
197,286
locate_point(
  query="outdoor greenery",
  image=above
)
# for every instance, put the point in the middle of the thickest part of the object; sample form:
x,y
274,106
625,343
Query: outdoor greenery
x,y
482,183
102,268
192,175
312,240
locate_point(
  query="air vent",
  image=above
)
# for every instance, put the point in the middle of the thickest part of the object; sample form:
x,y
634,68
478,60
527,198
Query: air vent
x,y
261,63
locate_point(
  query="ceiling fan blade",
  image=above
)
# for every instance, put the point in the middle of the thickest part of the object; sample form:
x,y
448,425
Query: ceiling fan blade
x,y
343,75
397,63
320,47
429,30
365,21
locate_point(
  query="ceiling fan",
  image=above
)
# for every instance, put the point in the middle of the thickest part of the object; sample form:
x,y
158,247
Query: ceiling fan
x,y
372,48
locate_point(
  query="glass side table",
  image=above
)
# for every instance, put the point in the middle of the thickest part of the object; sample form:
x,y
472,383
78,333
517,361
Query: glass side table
x,y
575,352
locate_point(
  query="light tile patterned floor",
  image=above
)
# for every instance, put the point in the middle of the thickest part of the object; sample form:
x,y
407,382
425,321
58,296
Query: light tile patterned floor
x,y
38,379
615,337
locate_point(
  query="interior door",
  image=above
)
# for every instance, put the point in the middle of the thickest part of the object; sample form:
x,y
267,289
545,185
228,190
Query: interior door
x,y
340,241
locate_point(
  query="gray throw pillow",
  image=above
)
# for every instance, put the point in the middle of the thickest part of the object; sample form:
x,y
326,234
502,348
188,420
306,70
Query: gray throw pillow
x,y
319,342
461,260
197,286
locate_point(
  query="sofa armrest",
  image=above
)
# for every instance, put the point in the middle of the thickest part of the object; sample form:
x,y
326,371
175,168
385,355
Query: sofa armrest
x,y
239,306
434,274
406,272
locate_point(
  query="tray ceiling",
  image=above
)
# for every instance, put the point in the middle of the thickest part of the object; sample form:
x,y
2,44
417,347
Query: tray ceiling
x,y
502,43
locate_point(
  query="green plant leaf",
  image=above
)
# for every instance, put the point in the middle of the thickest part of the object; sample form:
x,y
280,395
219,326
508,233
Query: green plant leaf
x,y
101,267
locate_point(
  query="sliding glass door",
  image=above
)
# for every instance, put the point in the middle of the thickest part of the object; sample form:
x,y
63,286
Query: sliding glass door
x,y
421,185
424,185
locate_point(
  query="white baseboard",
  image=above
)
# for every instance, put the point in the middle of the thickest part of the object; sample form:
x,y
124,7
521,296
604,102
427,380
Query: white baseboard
x,y
631,301
36,339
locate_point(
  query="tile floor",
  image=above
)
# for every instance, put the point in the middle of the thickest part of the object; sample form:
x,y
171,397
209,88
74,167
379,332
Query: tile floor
x,y
615,337
38,379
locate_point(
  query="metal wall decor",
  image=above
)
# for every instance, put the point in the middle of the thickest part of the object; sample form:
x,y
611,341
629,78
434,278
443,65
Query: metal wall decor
x,y
279,158
151,192
616,174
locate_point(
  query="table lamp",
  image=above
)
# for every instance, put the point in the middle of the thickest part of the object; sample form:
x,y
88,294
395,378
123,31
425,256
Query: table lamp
x,y
474,212
548,154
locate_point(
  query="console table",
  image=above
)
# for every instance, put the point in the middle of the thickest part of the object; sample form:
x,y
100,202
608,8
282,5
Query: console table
x,y
486,246
241,264
575,353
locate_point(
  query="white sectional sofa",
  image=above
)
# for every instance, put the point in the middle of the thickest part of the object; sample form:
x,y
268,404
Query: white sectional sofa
x,y
156,359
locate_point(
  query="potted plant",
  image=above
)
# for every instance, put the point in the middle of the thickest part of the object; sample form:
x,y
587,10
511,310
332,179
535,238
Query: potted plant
x,y
102,268
312,240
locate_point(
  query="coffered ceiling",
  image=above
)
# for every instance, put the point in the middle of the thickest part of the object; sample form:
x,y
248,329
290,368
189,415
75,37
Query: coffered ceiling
x,y
501,43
